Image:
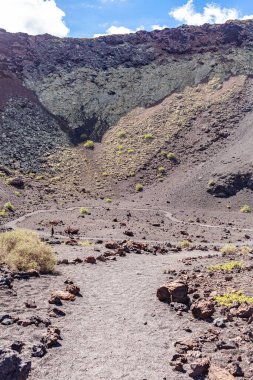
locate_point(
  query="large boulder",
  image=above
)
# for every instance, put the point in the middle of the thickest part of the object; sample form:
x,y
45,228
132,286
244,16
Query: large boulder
x,y
12,367
202,309
175,291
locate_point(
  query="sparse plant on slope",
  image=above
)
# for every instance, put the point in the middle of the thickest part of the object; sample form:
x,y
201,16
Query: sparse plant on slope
x,y
161,170
245,209
8,206
211,183
139,187
184,244
108,200
89,144
148,136
122,134
171,156
229,249
84,211
23,250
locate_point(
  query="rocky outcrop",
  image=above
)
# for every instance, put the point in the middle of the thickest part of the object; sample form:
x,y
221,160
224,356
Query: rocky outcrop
x,y
227,185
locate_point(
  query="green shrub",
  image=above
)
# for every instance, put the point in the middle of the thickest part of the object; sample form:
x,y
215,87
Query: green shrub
x,y
130,150
171,156
89,144
139,187
148,136
23,250
84,211
3,213
245,209
39,177
161,170
122,134
108,200
8,206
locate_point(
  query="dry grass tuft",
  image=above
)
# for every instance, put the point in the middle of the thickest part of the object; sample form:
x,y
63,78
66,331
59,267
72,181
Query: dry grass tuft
x,y
23,250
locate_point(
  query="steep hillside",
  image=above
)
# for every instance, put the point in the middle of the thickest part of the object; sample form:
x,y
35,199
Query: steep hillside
x,y
185,91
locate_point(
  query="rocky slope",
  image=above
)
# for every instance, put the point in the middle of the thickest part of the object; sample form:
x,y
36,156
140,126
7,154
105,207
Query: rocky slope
x,y
189,87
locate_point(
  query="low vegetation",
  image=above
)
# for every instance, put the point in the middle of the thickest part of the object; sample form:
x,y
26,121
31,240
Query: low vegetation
x,y
139,187
171,156
122,134
148,136
89,144
228,249
161,170
225,267
108,200
8,206
84,211
184,244
228,299
245,209
23,250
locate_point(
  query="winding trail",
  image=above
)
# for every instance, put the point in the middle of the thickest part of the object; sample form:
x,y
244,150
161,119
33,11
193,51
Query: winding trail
x,y
168,214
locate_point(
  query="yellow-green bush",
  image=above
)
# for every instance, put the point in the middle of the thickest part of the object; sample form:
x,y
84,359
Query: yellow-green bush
x,y
171,156
139,187
84,211
148,136
245,209
108,200
122,134
8,206
89,144
226,266
23,250
228,299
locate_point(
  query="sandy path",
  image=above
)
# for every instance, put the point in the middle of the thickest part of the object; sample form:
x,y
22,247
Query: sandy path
x,y
118,329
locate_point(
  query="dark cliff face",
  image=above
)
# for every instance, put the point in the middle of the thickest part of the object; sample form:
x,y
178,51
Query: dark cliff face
x,y
84,86
26,55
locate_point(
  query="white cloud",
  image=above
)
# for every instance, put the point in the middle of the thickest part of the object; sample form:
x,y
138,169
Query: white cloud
x,y
158,27
118,30
212,13
32,17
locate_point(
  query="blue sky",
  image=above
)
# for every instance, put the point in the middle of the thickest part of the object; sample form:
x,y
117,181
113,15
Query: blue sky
x,y
88,18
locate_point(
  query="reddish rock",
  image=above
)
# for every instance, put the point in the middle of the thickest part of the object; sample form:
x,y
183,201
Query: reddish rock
x,y
51,338
73,289
199,367
202,309
112,245
63,295
176,291
244,311
90,260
